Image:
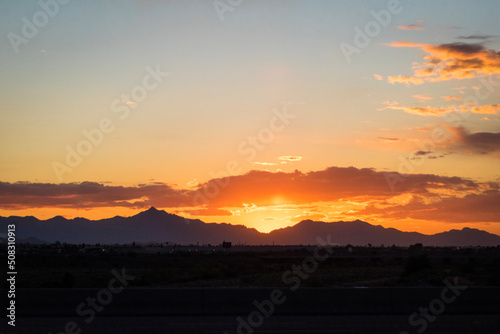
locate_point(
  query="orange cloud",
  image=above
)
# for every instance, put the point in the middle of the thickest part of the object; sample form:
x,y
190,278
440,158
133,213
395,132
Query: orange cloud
x,y
411,27
422,97
449,98
207,212
310,216
424,111
378,77
367,189
491,109
405,79
451,61
388,139
258,187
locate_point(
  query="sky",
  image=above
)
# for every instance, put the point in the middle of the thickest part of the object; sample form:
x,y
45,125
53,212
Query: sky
x,y
261,113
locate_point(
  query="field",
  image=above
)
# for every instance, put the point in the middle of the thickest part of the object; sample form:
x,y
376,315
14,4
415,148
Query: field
x,y
85,266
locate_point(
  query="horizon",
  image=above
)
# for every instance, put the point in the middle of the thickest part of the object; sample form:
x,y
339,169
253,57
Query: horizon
x,y
262,114
205,222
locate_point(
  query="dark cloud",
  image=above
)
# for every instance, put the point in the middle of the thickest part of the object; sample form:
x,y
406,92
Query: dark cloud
x,y
422,152
428,154
483,37
462,48
450,61
87,195
478,142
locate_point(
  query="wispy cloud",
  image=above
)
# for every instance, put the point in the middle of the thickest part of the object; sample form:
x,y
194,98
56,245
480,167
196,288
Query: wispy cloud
x,y
481,37
290,158
423,152
422,97
411,27
449,98
265,163
388,139
424,111
405,79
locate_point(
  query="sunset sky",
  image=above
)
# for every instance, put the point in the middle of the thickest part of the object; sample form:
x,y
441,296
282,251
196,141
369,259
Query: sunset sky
x,y
261,113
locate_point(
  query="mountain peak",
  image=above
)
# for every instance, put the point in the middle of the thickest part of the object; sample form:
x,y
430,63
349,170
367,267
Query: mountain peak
x,y
152,212
56,218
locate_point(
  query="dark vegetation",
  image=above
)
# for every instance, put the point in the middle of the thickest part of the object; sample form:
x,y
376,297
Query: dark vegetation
x,y
75,266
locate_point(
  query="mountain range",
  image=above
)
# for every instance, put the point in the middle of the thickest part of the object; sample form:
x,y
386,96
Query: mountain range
x,y
155,225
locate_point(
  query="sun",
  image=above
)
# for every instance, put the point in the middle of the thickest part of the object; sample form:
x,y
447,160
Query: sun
x,y
278,200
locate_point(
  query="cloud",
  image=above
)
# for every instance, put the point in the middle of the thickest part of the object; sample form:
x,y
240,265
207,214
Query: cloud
x,y
259,187
332,184
88,195
422,152
422,97
378,77
264,163
464,200
483,37
450,61
411,27
478,142
449,98
405,79
388,104
310,216
291,158
491,109
208,212
467,209
424,111
418,154
388,139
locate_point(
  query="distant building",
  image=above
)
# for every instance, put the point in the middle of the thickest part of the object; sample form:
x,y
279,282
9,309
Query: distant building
x,y
226,244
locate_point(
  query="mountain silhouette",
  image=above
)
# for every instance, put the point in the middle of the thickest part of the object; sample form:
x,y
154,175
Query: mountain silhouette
x,y
155,225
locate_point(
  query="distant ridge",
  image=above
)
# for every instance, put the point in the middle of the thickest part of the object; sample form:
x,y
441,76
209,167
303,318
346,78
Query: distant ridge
x,y
155,225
